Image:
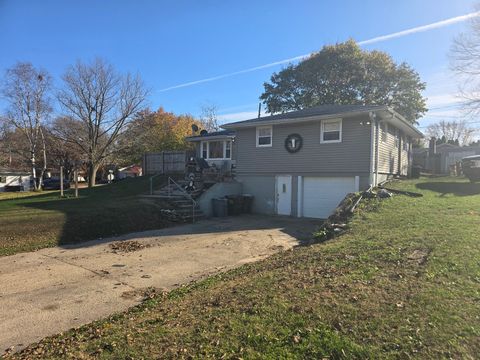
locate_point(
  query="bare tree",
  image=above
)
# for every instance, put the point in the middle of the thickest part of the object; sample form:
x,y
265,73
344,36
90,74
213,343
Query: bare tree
x,y
27,90
452,131
465,54
103,101
63,152
209,118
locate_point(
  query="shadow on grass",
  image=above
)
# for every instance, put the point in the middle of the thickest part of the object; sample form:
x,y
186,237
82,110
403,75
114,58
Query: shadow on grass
x,y
455,188
100,212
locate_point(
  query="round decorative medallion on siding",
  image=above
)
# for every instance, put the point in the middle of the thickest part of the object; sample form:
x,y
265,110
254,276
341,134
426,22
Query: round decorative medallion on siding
x,y
293,143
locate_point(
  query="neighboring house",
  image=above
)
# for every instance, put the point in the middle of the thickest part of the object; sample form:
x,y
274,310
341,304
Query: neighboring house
x,y
440,159
129,172
15,180
303,163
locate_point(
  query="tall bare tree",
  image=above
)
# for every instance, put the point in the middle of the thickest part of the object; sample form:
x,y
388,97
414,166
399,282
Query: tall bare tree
x,y
103,101
466,63
457,132
27,91
209,118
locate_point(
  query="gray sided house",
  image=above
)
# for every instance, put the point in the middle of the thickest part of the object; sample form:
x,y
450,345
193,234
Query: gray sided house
x,y
303,163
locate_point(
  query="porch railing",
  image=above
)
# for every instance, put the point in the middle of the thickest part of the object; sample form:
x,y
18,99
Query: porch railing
x,y
184,192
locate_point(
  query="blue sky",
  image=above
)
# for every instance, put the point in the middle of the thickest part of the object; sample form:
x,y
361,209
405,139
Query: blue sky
x,y
176,42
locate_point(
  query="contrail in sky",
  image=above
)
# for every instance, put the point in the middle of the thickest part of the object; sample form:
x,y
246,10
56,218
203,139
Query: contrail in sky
x,y
377,39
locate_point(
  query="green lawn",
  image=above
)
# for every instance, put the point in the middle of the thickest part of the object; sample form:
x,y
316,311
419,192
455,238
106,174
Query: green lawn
x,y
366,294
30,221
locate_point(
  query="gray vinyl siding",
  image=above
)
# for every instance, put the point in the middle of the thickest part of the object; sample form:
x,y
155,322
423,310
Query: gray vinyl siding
x,y
348,158
393,160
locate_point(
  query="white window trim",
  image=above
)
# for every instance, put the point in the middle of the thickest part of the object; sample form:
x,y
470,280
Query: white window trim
x,y
271,136
207,142
322,125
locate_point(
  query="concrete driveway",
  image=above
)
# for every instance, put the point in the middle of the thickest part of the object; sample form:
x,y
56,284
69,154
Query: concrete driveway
x,y
52,290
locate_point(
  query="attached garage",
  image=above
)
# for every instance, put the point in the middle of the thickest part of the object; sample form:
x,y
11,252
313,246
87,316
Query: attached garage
x,y
321,195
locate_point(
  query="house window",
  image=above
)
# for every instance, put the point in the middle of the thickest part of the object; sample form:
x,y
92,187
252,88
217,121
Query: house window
x,y
3,179
405,144
216,150
331,131
384,130
264,136
228,149
397,138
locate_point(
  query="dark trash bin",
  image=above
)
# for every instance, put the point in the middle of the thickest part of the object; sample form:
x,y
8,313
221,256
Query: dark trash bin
x,y
220,207
416,171
247,203
235,204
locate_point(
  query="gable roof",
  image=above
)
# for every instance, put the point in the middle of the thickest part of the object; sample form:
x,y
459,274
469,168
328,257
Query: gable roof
x,y
328,111
321,110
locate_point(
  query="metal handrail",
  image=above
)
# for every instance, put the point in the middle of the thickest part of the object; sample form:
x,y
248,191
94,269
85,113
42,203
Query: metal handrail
x,y
151,182
194,203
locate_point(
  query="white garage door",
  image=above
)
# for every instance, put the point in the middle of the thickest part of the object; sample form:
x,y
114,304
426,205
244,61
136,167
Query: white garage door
x,y
321,195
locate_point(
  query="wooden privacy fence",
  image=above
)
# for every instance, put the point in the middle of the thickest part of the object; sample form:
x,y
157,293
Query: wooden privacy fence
x,y
165,162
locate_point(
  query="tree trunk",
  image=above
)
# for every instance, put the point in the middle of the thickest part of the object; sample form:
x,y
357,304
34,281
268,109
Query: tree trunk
x,y
92,173
34,172
44,168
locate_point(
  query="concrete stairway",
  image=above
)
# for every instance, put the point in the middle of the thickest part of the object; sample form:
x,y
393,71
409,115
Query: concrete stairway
x,y
182,202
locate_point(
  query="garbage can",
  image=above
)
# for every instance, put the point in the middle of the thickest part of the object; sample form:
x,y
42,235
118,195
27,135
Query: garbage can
x,y
220,207
416,171
247,203
235,204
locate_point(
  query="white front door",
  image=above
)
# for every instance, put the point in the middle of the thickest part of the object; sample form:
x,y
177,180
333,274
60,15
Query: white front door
x,y
283,186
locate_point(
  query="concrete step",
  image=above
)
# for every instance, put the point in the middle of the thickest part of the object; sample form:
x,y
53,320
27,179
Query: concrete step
x,y
185,206
187,211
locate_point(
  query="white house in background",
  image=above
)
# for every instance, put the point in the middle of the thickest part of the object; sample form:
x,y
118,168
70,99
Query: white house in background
x,y
15,180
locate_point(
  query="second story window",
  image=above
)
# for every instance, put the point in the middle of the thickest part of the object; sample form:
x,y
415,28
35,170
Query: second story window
x,y
331,131
264,136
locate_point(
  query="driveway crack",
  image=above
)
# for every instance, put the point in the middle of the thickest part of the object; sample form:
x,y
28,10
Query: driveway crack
x,y
98,273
